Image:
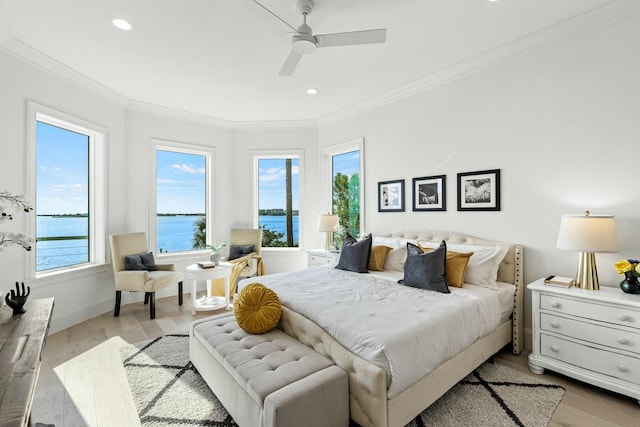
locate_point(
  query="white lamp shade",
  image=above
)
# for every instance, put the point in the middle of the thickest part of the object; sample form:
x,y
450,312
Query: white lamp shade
x,y
587,233
328,223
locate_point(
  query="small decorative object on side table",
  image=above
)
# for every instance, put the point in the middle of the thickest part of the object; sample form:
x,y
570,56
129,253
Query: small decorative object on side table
x,y
320,258
215,252
631,270
18,299
592,336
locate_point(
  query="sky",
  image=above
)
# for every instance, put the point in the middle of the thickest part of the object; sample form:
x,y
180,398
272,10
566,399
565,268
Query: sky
x,y
62,179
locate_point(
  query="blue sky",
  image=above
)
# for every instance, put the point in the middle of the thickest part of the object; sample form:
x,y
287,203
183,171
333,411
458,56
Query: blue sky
x,y
272,182
181,180
62,179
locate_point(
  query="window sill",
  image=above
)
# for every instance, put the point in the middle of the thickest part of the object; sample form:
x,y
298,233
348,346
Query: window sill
x,y
49,278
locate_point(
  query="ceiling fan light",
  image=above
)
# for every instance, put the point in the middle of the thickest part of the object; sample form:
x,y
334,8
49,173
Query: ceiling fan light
x,y
303,46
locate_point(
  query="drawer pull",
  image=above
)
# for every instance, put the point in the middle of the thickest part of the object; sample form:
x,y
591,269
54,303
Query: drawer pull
x,y
623,317
555,324
623,368
623,340
555,348
555,304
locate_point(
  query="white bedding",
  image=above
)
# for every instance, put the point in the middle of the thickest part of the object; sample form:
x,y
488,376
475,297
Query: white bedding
x,y
406,331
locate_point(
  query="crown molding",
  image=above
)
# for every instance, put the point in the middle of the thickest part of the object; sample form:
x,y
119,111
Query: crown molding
x,y
4,26
608,14
174,113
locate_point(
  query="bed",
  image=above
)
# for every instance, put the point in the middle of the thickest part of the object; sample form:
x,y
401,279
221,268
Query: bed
x,y
389,386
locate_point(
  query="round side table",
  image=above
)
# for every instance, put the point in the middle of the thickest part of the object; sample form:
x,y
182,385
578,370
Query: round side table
x,y
195,273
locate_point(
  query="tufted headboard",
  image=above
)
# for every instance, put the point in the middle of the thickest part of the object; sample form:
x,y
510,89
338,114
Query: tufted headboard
x,y
509,271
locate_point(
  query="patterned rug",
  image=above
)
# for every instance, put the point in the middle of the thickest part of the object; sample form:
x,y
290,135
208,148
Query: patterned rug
x,y
168,392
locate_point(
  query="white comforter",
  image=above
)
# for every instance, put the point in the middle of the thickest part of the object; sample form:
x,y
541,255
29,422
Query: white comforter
x,y
406,331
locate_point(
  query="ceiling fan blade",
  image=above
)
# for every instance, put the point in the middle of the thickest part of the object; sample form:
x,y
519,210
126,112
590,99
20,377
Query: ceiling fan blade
x,y
290,64
353,37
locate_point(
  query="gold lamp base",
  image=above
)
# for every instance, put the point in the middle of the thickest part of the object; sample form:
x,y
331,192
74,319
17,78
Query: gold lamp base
x,y
587,274
328,242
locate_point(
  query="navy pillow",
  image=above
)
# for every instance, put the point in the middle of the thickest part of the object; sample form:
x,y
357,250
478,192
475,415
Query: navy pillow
x,y
148,261
355,254
140,262
237,251
133,262
426,270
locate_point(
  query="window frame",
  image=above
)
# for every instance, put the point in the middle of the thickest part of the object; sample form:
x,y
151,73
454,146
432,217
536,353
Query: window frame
x,y
257,155
186,148
327,153
98,137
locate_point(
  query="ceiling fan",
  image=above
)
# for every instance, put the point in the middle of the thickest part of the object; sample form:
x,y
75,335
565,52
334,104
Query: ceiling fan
x,y
305,42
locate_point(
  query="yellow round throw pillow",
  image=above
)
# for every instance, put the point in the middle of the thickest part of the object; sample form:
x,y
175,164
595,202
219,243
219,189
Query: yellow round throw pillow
x,y
257,309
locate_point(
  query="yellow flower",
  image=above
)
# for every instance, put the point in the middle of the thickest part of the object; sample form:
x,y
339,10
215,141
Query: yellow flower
x,y
622,266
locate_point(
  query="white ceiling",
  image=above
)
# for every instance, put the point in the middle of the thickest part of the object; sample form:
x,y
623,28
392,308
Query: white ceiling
x,y
220,58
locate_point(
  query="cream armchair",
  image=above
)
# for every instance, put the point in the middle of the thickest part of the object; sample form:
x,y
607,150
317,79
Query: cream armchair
x,y
248,264
149,282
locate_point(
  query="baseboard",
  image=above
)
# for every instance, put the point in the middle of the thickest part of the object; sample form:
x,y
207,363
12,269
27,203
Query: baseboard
x,y
79,314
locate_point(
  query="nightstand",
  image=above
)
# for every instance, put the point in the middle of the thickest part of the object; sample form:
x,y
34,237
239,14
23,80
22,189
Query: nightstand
x,y
592,336
321,258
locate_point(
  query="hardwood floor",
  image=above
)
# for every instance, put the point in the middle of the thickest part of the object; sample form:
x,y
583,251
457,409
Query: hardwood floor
x,y
82,382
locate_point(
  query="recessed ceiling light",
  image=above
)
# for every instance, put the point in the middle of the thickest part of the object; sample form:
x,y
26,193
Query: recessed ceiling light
x,y
312,91
122,24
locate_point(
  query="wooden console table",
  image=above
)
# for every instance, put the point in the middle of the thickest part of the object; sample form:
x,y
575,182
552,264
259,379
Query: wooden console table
x,y
22,340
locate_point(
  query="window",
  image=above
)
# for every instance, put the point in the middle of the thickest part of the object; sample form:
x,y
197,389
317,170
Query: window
x,y
182,216
343,172
278,198
66,160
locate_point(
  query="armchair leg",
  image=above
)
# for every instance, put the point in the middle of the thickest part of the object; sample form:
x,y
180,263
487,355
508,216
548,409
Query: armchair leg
x,y
146,298
116,310
152,305
180,292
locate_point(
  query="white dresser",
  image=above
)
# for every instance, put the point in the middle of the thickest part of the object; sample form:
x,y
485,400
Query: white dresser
x,y
319,257
592,336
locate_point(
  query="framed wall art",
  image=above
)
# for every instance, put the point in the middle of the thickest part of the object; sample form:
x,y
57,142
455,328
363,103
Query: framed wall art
x,y
391,196
479,190
429,193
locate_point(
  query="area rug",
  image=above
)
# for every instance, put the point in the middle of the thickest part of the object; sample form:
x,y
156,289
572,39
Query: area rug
x,y
169,392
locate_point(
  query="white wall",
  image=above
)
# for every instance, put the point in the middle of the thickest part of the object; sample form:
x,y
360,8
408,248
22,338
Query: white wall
x,y
561,123
563,126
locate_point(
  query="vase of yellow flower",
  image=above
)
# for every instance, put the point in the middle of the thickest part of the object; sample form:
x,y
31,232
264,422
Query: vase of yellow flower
x,y
631,270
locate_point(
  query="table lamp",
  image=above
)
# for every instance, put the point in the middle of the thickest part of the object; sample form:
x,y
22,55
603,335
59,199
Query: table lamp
x,y
588,234
328,223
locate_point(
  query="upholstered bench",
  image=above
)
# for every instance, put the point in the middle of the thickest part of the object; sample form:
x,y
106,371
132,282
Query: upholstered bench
x,y
269,380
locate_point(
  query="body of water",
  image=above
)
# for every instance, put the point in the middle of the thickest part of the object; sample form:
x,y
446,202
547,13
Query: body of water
x,y
175,234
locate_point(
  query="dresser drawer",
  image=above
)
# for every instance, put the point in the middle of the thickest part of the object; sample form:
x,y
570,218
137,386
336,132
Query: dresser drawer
x,y
317,260
590,310
604,362
599,334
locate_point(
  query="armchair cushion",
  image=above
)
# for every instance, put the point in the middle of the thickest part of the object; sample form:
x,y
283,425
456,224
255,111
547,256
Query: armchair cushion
x,y
237,251
140,262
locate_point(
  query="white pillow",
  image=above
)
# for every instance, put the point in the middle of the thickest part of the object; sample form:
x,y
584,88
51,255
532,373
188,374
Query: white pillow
x,y
398,254
482,269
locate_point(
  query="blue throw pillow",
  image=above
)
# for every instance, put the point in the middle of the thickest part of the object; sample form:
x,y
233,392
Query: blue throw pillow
x,y
237,251
426,270
140,262
355,254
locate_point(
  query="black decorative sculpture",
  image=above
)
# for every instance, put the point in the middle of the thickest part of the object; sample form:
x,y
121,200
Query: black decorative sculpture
x,y
18,299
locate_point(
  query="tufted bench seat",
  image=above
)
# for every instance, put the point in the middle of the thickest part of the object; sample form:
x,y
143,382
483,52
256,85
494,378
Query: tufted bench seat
x,y
269,380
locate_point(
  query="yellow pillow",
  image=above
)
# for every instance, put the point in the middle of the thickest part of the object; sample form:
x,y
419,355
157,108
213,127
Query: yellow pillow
x,y
257,309
456,265
378,257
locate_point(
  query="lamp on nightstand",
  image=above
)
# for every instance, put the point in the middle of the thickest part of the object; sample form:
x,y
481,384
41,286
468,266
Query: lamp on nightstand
x,y
588,234
328,223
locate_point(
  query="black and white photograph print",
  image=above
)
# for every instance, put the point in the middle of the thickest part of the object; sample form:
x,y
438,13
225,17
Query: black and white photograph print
x,y
479,190
391,196
429,193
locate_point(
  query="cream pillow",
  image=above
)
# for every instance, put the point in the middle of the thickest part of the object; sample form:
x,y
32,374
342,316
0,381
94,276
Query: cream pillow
x,y
398,254
482,269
